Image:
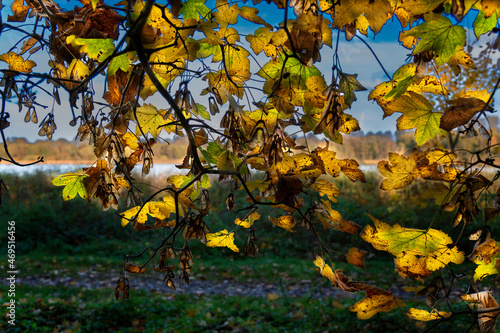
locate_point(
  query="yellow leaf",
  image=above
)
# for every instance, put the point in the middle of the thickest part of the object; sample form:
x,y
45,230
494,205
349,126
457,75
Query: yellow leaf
x,y
226,14
324,187
440,156
424,315
399,171
222,239
17,63
418,252
249,221
150,119
325,270
157,209
77,70
225,162
130,140
272,296
286,222
328,161
370,306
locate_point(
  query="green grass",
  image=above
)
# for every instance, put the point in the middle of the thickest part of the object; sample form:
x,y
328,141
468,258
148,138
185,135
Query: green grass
x,y
50,309
58,238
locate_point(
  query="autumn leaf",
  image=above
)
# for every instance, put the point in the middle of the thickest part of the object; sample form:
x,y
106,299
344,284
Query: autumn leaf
x,y
417,113
418,252
286,222
400,171
370,306
150,119
424,315
461,112
249,221
222,238
17,63
194,9
439,35
119,62
74,183
348,85
98,49
484,300
157,209
19,11
356,257
483,24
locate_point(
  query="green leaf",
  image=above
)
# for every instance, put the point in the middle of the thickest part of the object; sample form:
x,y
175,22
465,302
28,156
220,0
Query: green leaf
x,y
483,25
292,75
348,85
97,48
122,62
194,9
202,111
73,184
417,113
437,34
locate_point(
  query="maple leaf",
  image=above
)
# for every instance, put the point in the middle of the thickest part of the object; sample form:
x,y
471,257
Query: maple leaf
x,y
17,63
424,315
222,238
437,34
417,113
286,222
348,85
461,112
483,24
370,306
399,171
418,252
150,119
98,48
157,209
249,221
74,183
119,62
226,14
19,11
194,9
356,257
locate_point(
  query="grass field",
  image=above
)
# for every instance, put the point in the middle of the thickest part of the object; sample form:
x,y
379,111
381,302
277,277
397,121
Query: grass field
x,y
70,241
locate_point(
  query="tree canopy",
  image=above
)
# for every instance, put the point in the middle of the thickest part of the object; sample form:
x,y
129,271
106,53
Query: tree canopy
x,y
243,89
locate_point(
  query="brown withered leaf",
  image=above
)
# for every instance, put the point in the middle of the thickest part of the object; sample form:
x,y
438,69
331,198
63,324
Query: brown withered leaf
x,y
186,263
230,202
250,249
485,250
461,112
484,301
122,289
131,268
356,257
116,89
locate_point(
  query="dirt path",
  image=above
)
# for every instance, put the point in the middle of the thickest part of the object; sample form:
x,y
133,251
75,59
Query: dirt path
x,y
92,280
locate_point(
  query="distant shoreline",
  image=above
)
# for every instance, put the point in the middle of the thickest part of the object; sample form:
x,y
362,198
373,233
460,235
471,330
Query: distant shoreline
x,y
172,161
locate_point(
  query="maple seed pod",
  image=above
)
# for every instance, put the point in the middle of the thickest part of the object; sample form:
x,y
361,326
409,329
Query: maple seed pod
x,y
149,34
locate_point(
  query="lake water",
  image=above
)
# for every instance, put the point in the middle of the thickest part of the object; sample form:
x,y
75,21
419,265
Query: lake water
x,y
158,169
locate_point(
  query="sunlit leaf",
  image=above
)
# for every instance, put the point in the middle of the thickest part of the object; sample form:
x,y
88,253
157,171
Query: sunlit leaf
x,y
150,119
399,171
222,238
424,315
286,222
249,221
439,35
370,306
74,183
17,63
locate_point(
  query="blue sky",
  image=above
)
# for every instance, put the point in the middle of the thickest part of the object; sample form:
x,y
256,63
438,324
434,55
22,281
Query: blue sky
x,y
354,57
